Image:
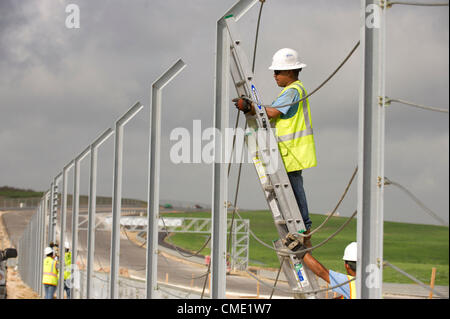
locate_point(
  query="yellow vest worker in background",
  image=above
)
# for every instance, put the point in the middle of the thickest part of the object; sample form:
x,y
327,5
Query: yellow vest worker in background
x,y
67,268
50,273
293,125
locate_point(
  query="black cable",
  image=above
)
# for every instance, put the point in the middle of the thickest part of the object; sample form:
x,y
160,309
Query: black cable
x,y
257,33
316,89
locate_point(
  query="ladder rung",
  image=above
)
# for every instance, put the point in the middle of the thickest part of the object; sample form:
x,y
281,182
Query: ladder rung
x,y
240,83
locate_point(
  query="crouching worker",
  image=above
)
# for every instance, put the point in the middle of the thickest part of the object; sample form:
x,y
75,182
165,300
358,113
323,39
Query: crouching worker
x,y
347,291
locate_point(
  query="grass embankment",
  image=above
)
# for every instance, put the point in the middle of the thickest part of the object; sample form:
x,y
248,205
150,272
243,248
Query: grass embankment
x,y
413,248
7,192
11,192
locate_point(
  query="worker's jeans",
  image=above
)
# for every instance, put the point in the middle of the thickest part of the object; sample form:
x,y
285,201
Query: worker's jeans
x,y
296,180
67,289
49,291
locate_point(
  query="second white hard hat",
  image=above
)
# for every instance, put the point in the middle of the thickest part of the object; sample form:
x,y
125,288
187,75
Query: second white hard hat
x,y
66,245
286,59
48,250
351,252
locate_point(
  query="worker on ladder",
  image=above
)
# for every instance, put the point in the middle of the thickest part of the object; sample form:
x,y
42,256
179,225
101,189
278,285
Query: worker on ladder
x,y
347,291
293,126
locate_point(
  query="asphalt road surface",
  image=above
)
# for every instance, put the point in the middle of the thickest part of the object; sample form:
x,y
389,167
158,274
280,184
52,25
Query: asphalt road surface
x,y
133,258
177,270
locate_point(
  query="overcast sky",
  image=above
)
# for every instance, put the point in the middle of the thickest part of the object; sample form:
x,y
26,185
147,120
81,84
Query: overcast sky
x,y
60,88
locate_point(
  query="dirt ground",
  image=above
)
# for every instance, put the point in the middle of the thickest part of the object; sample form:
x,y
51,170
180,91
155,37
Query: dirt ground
x,y
16,288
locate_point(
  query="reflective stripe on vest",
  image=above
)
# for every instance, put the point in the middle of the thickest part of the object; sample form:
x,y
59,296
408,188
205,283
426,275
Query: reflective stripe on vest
x,y
352,287
288,137
50,273
67,264
295,135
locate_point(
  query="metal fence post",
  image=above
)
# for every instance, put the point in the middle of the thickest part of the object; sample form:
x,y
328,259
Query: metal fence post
x,y
370,161
50,215
92,209
54,208
117,197
220,178
43,240
153,176
219,192
38,246
75,213
62,231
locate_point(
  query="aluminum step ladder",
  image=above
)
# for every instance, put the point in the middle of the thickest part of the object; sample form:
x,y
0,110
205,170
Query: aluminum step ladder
x,y
263,147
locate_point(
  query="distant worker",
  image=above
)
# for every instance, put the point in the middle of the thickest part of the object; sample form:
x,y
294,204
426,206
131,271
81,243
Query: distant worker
x,y
50,273
293,126
67,268
347,291
55,248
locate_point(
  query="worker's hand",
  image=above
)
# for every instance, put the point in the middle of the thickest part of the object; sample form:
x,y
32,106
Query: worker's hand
x,y
294,244
243,104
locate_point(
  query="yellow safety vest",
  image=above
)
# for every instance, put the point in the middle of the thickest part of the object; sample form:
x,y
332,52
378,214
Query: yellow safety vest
x,y
50,276
295,135
352,285
67,264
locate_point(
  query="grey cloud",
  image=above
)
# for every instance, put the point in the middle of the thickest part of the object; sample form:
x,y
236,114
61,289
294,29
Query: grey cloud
x,y
61,88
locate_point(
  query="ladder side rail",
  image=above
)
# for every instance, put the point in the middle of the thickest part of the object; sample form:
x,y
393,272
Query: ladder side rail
x,y
284,196
279,178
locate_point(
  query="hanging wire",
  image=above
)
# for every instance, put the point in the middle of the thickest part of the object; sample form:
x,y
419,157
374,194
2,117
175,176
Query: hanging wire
x,y
236,193
296,292
335,208
329,237
429,108
235,211
318,88
422,4
206,279
179,251
387,181
413,279
257,33
324,222
284,252
278,274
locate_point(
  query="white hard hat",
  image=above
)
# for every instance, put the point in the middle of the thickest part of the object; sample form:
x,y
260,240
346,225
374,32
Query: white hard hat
x,y
351,252
48,250
286,59
66,245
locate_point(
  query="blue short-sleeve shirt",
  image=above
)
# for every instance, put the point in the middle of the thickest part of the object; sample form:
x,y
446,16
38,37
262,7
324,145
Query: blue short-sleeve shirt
x,y
288,96
337,278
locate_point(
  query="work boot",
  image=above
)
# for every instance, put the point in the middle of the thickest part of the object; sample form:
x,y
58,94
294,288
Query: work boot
x,y
307,239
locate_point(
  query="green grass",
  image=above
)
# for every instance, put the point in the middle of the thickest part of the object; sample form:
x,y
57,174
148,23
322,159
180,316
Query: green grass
x,y
413,248
11,192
